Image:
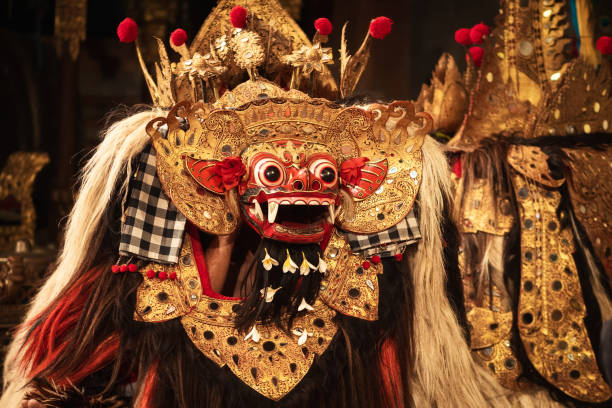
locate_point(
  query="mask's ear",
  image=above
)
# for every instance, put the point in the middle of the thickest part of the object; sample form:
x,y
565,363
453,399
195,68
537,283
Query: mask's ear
x,y
389,182
190,142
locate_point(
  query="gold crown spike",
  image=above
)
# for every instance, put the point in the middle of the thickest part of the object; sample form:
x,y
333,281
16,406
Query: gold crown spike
x,y
279,36
352,67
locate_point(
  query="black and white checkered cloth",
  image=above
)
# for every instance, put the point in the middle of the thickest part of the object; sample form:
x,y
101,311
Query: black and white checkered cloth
x,y
389,242
151,227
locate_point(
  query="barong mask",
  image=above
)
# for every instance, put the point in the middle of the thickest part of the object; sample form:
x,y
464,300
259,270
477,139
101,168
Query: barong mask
x,y
294,166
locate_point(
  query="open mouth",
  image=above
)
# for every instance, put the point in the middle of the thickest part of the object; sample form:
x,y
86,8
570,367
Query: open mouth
x,y
295,215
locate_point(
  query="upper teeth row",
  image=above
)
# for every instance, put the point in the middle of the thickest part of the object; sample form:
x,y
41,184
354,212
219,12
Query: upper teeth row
x,y
273,210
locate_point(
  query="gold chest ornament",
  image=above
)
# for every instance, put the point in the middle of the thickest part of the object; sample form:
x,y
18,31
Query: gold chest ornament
x,y
267,359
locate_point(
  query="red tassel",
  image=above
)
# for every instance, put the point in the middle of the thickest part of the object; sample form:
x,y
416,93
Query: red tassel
x,y
478,33
178,37
123,268
323,26
163,275
398,257
172,275
238,16
115,268
127,31
462,36
132,267
150,274
380,27
476,53
375,259
365,265
604,45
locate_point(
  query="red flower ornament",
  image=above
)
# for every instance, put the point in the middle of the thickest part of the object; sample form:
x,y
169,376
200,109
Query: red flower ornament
x,y
231,170
350,170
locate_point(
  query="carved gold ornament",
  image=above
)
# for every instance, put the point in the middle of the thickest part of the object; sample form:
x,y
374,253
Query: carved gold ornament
x,y
532,163
551,308
348,286
590,187
390,135
480,210
308,59
268,359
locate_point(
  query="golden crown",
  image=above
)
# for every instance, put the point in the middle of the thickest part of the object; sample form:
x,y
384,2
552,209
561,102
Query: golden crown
x,y
259,40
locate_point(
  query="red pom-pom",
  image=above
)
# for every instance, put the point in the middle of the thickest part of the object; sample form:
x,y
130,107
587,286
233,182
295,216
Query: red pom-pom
x,y
178,37
376,259
238,16
323,26
478,33
172,275
132,267
365,265
127,31
123,268
163,275
604,45
476,53
398,257
115,268
380,27
150,274
462,36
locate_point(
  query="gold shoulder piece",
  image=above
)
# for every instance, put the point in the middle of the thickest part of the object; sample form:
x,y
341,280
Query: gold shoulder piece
x,y
160,300
590,187
395,137
216,135
532,163
348,286
551,310
480,210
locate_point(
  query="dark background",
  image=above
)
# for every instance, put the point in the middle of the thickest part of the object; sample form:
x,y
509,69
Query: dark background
x,y
53,104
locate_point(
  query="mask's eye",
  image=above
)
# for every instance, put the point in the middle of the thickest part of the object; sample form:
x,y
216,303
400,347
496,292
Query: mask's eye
x,y
328,174
325,170
269,173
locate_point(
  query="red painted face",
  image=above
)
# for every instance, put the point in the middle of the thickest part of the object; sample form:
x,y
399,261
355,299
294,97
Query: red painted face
x,y
291,191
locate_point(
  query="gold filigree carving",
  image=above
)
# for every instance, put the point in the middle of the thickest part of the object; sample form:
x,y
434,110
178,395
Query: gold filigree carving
x,y
348,287
446,97
275,363
490,324
394,133
481,210
532,163
280,36
551,309
590,187
272,361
